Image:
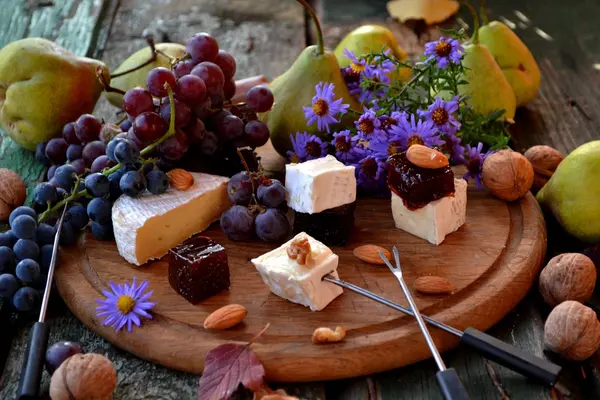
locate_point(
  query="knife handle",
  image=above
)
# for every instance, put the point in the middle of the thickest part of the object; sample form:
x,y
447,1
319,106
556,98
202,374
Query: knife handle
x,y
515,359
451,386
33,365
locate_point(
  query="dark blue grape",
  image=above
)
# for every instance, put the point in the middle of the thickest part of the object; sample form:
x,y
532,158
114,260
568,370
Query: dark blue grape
x,y
8,239
114,180
8,285
97,184
74,152
239,188
272,225
77,217
51,171
271,195
102,232
26,299
238,223
59,352
110,149
45,193
46,258
45,234
22,210
28,270
24,227
126,152
25,248
125,125
65,176
61,193
158,181
7,259
68,235
99,210
40,154
132,183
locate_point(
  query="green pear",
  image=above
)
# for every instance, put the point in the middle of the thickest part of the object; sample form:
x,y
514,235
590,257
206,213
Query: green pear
x,y
43,87
138,77
573,193
514,58
372,38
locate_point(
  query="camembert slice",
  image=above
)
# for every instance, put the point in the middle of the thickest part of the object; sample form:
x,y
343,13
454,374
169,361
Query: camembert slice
x,y
148,226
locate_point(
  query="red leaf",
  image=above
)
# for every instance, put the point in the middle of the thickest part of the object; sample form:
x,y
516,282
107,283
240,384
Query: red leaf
x,y
225,367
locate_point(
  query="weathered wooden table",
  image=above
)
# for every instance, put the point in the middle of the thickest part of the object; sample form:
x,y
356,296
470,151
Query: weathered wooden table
x,y
265,38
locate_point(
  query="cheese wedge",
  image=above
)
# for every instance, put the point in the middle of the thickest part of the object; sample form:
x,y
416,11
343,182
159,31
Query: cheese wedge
x,y
148,226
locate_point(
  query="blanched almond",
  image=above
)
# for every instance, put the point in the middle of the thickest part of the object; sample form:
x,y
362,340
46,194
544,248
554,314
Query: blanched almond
x,y
425,157
433,285
225,317
369,253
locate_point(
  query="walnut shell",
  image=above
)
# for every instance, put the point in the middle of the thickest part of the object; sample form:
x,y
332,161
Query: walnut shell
x,y
507,174
545,160
569,276
84,376
572,330
12,192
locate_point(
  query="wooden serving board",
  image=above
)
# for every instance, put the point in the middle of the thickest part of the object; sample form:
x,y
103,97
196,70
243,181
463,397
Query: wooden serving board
x,y
492,261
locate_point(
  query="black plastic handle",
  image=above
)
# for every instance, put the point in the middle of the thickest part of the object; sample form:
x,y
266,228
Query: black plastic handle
x,y
450,385
33,365
519,361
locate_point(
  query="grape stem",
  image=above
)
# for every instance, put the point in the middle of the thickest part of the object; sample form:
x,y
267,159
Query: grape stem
x,y
152,58
76,195
313,16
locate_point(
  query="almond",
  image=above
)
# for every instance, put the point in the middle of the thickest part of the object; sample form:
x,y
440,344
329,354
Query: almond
x,y
425,157
180,179
433,285
369,253
12,192
226,317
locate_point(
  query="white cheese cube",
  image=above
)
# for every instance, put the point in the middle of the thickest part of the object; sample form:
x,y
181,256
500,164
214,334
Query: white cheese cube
x,y
297,283
437,219
321,184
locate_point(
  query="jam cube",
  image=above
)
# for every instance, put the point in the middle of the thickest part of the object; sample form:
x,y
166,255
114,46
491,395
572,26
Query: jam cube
x,y
333,227
198,269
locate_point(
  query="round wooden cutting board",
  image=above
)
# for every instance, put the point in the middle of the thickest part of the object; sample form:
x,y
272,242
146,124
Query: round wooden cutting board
x,y
492,261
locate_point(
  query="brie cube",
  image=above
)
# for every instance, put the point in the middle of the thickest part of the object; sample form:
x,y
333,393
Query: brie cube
x,y
437,219
148,226
321,184
297,283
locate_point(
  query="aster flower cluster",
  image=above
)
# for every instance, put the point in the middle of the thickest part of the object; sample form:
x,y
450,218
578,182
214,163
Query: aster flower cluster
x,y
396,116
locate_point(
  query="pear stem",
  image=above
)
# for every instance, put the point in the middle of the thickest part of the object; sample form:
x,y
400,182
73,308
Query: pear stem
x,y
313,16
484,17
475,38
152,58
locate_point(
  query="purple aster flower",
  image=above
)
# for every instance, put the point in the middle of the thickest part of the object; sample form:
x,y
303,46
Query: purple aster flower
x,y
356,66
324,108
368,126
347,148
380,71
454,147
383,149
444,51
306,147
417,132
474,163
441,112
369,172
388,121
125,305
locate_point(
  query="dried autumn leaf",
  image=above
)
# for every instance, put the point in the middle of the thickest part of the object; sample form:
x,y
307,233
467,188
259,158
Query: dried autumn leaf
x,y
432,11
225,367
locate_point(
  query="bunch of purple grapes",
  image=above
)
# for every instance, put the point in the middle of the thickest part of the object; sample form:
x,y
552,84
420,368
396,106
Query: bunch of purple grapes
x,y
260,212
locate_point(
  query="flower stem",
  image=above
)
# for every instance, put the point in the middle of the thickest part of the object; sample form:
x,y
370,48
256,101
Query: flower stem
x,y
475,37
313,16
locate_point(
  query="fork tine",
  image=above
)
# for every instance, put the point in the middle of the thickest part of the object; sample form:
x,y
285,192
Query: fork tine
x,y
397,257
386,261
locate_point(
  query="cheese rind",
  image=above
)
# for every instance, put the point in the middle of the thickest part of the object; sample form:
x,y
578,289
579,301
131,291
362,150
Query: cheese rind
x,y
320,184
148,226
437,219
297,283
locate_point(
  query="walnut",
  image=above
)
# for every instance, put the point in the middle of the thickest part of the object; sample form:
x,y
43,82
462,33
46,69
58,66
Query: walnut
x,y
572,330
84,376
544,160
12,192
299,250
569,276
507,174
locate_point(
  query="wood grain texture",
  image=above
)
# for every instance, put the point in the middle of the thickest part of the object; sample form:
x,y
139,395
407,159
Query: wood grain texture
x,y
492,260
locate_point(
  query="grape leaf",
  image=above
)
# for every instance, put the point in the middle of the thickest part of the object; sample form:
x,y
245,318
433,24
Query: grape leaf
x,y
225,367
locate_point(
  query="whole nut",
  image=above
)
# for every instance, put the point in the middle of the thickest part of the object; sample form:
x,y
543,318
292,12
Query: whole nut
x,y
545,160
12,192
84,376
569,276
572,330
180,179
226,317
433,285
327,335
369,253
425,157
507,174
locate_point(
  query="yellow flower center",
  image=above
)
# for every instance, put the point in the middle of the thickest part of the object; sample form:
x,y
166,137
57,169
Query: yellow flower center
x,y
439,116
366,125
442,49
341,144
313,149
294,158
393,148
320,107
357,68
125,304
415,139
